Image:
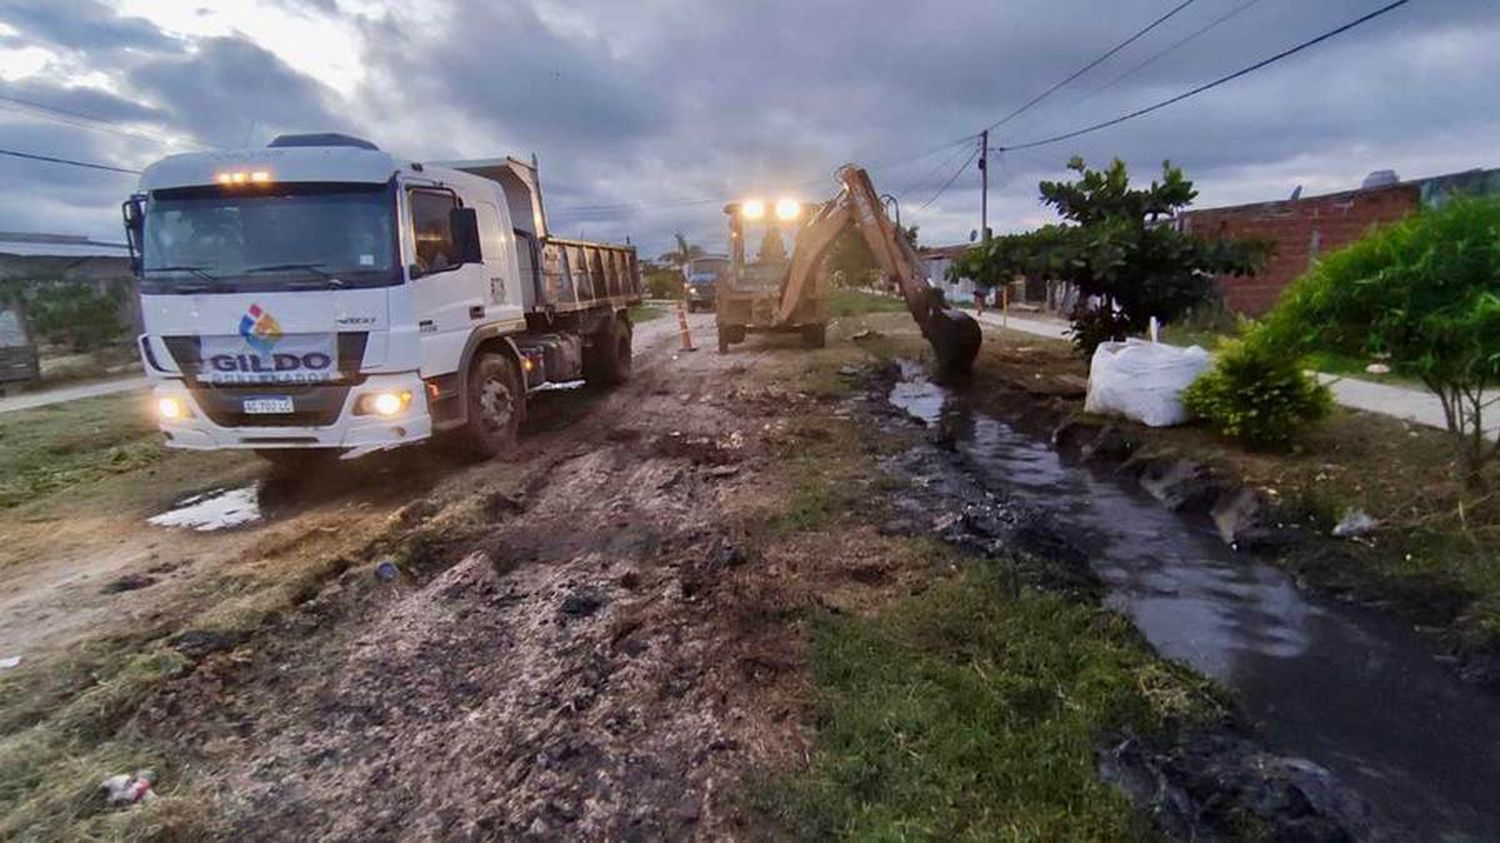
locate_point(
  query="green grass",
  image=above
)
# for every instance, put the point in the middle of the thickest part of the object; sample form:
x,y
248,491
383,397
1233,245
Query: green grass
x,y
846,303
48,449
646,312
972,713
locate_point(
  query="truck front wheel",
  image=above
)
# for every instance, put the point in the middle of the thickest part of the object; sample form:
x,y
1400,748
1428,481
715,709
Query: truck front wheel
x,y
497,403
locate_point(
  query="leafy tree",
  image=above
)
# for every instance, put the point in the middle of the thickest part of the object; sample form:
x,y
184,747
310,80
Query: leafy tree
x,y
76,314
1115,243
1424,291
850,256
684,252
772,247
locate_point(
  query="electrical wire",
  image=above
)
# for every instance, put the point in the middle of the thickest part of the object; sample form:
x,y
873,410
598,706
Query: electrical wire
x,y
1090,66
951,179
78,119
30,156
1140,112
1192,36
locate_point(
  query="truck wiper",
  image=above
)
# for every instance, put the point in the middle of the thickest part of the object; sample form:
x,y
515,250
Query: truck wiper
x,y
278,267
196,270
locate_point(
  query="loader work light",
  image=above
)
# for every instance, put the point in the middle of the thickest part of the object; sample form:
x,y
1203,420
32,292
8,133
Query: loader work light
x,y
753,209
788,209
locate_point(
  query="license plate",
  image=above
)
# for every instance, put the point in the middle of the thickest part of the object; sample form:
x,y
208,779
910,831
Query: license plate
x,y
267,406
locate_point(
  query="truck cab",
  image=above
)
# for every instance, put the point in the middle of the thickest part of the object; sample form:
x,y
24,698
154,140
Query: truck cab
x,y
321,294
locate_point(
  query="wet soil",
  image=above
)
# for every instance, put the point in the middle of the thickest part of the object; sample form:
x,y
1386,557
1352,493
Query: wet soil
x,y
1350,690
580,644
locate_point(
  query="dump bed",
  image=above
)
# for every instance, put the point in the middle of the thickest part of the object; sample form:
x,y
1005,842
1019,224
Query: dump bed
x,y
577,275
567,275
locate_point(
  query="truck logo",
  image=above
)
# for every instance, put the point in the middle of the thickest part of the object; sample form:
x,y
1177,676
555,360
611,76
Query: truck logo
x,y
260,329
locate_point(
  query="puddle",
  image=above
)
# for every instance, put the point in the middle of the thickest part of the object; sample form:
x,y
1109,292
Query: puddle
x,y
1347,687
217,509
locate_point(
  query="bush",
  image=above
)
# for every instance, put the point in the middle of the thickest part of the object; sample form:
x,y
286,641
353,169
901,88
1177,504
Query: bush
x,y
1424,292
1257,394
1094,325
664,283
75,314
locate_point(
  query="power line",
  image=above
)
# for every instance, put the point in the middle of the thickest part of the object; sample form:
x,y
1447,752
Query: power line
x,y
1192,36
931,174
1091,65
951,179
1210,85
72,118
68,161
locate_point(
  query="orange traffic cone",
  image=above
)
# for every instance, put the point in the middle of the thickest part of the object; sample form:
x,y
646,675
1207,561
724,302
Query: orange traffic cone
x,y
682,327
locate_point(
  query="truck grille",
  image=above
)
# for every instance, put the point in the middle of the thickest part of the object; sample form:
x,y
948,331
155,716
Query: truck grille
x,y
312,405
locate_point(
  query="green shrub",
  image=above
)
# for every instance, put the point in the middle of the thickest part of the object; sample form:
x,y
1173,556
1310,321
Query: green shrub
x,y
1257,394
1423,293
75,314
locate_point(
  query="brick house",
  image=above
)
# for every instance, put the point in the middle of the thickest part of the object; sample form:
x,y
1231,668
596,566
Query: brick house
x,y
1303,228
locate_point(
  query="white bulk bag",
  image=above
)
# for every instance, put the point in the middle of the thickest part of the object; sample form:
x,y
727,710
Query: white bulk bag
x,y
1143,381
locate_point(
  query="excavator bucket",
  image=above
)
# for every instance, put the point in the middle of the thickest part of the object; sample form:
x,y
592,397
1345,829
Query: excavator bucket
x,y
954,337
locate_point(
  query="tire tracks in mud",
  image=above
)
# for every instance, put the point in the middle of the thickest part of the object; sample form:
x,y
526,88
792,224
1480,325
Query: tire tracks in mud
x,y
579,653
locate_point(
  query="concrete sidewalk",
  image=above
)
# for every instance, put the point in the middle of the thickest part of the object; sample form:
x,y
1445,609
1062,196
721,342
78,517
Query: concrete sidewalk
x,y
1401,402
61,394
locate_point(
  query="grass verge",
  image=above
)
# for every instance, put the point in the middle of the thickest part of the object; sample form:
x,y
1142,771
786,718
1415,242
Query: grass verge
x,y
847,303
48,449
646,312
973,712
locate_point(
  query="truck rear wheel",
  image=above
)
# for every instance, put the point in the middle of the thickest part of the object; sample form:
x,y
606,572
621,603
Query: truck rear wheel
x,y
608,360
496,405
814,336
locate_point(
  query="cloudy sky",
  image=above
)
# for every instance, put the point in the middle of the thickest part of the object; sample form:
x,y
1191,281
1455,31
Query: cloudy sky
x,y
648,114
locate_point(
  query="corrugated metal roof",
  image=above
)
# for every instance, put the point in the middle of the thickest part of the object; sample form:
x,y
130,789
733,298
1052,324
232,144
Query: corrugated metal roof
x,y
29,244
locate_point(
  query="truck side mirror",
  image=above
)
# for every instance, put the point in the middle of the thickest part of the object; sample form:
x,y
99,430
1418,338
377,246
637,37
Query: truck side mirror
x,y
464,223
133,210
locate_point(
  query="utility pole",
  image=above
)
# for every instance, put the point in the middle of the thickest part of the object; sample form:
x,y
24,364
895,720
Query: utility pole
x,y
984,186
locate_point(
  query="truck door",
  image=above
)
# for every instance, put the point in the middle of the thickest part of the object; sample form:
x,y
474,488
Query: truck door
x,y
450,298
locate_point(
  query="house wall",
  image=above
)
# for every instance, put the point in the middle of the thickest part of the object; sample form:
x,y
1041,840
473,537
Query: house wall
x,y
26,272
1302,229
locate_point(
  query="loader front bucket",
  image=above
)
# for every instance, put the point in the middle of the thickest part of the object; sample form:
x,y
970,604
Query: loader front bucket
x,y
955,338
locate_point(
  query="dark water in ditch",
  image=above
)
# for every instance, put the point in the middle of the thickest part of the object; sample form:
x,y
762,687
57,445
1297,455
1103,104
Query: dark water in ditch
x,y
1346,687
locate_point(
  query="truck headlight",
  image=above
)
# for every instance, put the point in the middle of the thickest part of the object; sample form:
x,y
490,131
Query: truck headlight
x,y
389,403
172,409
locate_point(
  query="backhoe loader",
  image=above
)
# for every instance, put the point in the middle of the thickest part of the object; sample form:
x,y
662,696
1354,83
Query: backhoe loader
x,y
792,296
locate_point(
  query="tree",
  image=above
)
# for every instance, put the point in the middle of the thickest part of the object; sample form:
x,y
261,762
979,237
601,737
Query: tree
x,y
850,256
682,254
1117,245
1426,293
772,247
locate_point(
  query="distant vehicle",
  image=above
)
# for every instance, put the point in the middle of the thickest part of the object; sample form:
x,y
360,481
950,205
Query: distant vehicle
x,y
19,362
321,297
791,295
701,279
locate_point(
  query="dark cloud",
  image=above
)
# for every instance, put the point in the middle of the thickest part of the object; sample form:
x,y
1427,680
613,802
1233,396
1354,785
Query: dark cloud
x,y
229,91
84,25
78,99
634,107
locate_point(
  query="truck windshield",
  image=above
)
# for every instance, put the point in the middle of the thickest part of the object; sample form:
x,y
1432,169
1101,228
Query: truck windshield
x,y
296,236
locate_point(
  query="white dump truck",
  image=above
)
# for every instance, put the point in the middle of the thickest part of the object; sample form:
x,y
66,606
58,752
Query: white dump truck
x,y
321,297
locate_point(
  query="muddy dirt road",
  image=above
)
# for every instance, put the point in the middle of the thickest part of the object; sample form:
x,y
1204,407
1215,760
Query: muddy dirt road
x,y
93,561
571,646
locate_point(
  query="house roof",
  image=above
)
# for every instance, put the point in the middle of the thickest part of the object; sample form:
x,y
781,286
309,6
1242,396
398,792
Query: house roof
x,y
34,244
